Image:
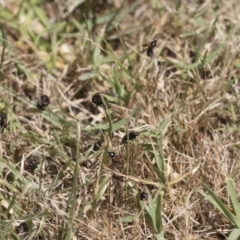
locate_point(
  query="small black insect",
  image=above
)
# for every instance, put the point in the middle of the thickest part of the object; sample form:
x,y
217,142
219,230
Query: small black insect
x,y
97,99
115,158
43,102
143,196
30,166
40,106
23,227
149,47
130,136
3,121
111,154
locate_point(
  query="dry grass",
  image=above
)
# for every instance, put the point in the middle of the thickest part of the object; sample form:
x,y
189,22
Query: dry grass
x,y
57,180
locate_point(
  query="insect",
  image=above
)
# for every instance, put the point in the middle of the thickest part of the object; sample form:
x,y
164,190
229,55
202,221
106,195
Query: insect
x,y
43,102
115,158
40,106
3,121
111,154
143,196
149,47
129,136
97,99
30,166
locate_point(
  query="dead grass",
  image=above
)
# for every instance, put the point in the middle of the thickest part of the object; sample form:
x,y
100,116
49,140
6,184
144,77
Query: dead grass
x,y
57,180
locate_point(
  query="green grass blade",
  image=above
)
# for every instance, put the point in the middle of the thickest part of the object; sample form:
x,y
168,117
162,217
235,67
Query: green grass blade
x,y
160,236
160,163
154,212
72,197
211,196
158,214
234,235
4,42
234,197
101,188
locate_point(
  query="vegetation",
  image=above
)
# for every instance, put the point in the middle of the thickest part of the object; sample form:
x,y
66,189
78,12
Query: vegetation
x,y
136,140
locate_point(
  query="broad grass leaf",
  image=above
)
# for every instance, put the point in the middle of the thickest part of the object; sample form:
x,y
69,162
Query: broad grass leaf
x,y
234,197
212,197
160,236
234,235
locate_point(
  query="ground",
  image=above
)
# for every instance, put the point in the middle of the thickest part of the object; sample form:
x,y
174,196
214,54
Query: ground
x,y
119,119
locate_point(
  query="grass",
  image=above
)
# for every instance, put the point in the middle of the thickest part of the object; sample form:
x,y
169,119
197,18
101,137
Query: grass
x,y
57,179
